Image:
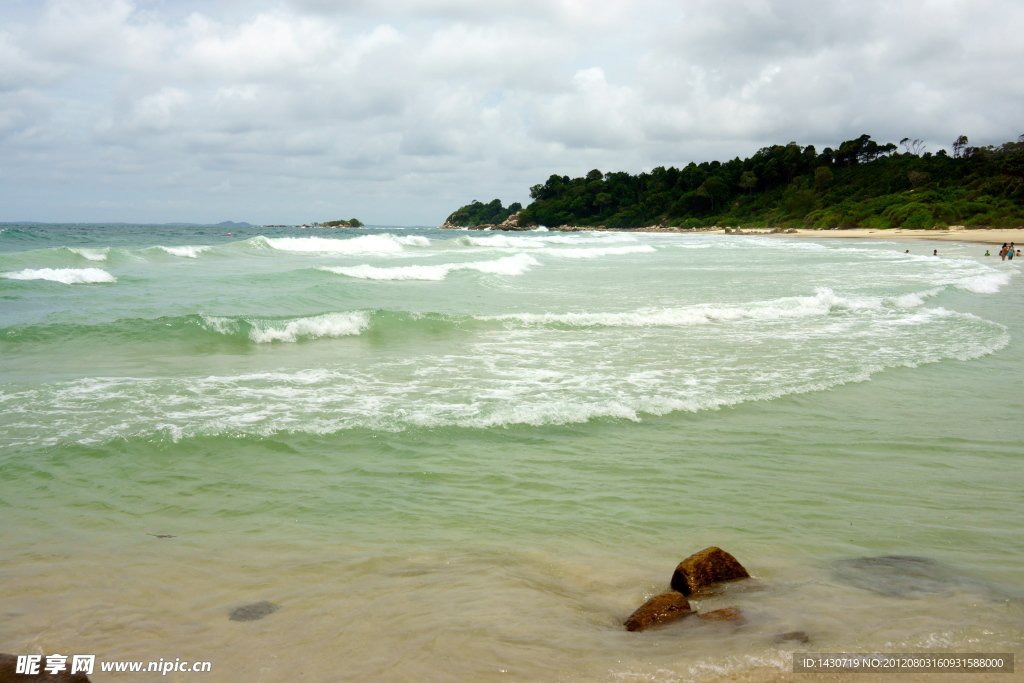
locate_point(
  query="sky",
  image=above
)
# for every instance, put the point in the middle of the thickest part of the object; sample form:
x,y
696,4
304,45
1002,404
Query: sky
x,y
397,112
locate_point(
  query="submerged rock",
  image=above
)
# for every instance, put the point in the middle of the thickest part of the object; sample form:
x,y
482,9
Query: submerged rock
x,y
903,576
725,614
661,609
9,665
791,637
705,568
253,611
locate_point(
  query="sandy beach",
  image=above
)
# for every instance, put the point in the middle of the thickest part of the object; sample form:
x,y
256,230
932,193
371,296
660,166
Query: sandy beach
x,y
982,236
997,236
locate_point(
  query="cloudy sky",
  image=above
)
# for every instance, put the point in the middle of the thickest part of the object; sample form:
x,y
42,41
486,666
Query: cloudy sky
x,y
399,111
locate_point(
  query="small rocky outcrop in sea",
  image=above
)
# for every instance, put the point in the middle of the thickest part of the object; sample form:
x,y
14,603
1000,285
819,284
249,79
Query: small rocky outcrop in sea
x,y
661,609
9,665
701,570
511,223
693,575
253,611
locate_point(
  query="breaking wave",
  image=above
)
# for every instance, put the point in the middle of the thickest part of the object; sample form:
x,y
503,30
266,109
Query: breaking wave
x,y
511,265
989,283
68,276
823,303
365,244
596,252
520,242
265,330
185,252
90,254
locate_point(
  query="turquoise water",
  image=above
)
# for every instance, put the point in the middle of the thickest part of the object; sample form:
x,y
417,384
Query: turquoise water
x,y
454,455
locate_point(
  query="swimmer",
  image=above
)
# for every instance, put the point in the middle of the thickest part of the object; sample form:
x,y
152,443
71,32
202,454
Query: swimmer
x,y
986,253
935,252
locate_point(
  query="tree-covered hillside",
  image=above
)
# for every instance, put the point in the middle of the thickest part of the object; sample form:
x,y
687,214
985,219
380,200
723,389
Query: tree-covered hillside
x,y
862,183
478,213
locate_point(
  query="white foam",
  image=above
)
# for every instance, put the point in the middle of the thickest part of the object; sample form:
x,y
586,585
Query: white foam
x,y
69,276
985,284
413,240
596,252
90,254
186,252
220,325
365,244
822,303
326,325
526,242
510,265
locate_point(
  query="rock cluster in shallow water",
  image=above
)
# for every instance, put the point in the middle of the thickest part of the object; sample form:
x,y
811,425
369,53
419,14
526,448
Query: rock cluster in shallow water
x,y
695,574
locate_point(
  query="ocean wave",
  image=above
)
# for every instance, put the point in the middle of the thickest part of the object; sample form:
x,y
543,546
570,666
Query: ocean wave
x,y
233,330
264,330
597,252
365,244
90,254
510,265
185,251
68,276
824,302
990,283
530,242
495,388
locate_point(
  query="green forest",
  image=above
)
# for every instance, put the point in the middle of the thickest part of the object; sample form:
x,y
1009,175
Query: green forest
x,y
859,184
478,213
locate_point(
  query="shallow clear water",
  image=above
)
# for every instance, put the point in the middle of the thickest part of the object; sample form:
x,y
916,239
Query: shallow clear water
x,y
462,455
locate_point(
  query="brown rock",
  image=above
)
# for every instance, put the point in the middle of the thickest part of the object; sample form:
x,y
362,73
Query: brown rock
x,y
9,664
726,614
707,567
660,609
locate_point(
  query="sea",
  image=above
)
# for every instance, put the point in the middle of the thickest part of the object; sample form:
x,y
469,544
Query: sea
x,y
457,455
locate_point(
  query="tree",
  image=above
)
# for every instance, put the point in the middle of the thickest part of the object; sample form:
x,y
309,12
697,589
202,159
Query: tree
x,y
748,181
914,147
918,178
822,178
1014,163
958,147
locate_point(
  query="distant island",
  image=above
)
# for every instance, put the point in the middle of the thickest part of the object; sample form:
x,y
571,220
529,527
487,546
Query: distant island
x,y
859,184
350,223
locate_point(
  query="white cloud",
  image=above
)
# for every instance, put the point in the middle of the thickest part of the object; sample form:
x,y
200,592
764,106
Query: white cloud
x,y
401,110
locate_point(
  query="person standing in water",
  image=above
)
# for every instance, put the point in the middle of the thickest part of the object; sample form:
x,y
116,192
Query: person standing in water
x,y
935,252
1002,252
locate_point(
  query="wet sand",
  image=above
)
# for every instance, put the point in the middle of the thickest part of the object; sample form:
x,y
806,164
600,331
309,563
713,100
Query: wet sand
x,y
982,236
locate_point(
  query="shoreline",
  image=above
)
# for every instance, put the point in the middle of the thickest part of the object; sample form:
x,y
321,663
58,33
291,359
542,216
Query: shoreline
x,y
996,236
